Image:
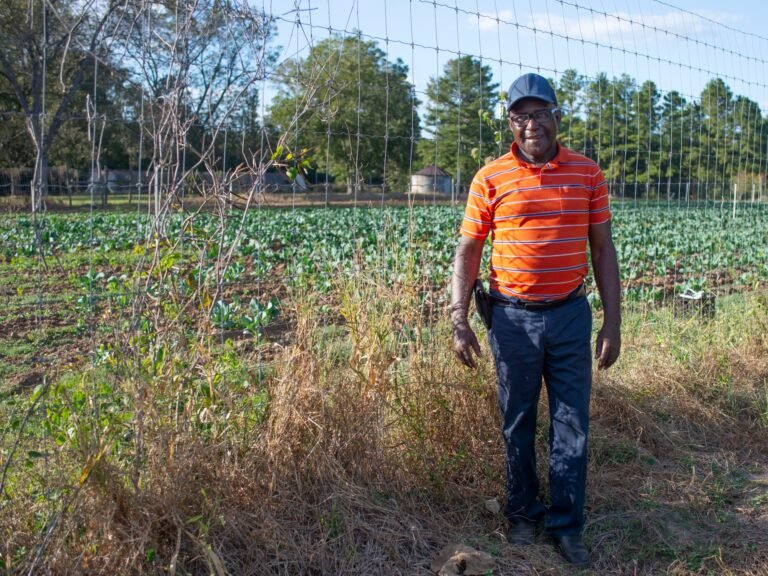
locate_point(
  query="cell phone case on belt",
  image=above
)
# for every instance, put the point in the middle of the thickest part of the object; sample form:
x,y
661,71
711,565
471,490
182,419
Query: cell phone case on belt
x,y
483,303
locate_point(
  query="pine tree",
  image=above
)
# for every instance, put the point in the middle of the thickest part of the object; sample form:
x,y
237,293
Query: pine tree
x,y
462,119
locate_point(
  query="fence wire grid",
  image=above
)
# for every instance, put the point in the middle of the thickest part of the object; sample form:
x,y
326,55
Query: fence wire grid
x,y
195,175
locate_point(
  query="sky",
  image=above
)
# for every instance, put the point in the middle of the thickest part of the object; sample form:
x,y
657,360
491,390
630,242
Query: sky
x,y
678,44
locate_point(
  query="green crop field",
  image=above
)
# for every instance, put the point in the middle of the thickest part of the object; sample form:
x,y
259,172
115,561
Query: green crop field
x,y
288,372
712,246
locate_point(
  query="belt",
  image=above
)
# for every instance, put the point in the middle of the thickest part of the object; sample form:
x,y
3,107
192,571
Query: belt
x,y
538,306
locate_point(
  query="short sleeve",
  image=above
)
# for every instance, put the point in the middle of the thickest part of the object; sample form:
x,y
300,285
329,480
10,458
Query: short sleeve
x,y
477,216
599,204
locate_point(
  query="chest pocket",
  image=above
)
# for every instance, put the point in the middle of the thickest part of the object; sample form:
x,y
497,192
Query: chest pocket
x,y
533,205
573,200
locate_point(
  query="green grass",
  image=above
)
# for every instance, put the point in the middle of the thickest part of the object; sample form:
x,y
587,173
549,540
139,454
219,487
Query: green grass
x,y
13,348
83,202
10,369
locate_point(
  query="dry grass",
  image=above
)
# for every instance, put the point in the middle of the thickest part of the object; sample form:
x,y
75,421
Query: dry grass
x,y
360,447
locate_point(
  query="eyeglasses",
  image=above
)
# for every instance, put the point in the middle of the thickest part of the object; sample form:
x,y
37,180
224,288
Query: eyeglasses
x,y
541,116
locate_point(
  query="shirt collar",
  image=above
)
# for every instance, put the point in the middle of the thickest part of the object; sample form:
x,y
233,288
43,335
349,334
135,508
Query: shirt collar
x,y
553,163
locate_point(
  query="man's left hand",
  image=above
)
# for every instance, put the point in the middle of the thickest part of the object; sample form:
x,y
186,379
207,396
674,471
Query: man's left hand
x,y
608,346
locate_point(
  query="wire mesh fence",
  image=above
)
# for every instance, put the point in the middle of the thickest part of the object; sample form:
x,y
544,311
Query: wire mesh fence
x,y
227,239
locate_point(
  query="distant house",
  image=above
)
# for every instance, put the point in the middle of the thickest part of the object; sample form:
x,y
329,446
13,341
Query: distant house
x,y
431,180
275,181
121,181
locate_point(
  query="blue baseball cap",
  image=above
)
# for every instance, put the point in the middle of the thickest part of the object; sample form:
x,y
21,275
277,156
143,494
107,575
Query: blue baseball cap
x,y
531,86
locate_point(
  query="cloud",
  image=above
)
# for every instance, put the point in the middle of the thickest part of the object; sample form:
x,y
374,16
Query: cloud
x,y
621,28
489,21
626,28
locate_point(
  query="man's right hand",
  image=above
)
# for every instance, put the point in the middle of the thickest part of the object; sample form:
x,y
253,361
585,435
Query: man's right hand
x,y
465,266
465,344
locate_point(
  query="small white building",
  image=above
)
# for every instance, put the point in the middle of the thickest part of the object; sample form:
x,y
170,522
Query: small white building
x,y
431,180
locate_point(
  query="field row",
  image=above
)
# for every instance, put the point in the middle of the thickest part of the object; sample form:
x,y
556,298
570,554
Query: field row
x,y
661,249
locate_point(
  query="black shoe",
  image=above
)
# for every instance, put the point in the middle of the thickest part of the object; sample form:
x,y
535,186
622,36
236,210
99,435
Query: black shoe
x,y
573,550
521,533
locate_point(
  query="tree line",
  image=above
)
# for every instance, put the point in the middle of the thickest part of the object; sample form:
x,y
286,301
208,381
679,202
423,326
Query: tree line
x,y
357,108
122,84
145,84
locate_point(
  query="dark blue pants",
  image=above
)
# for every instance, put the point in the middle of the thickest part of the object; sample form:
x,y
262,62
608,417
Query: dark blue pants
x,y
554,345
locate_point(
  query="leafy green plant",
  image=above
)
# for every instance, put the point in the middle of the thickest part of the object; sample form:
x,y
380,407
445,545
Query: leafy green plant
x,y
223,315
259,315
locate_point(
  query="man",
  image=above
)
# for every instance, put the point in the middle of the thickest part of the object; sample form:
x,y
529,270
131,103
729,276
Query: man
x,y
541,203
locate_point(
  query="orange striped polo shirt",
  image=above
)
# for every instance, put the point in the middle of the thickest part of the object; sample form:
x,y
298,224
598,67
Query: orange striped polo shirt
x,y
539,219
